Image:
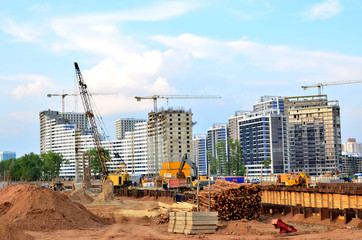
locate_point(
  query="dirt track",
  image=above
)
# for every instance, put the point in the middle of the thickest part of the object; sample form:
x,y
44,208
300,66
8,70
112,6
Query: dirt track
x,y
32,213
133,220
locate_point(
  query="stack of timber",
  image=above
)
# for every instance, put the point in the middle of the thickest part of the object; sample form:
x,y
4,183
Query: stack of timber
x,y
177,207
193,222
232,201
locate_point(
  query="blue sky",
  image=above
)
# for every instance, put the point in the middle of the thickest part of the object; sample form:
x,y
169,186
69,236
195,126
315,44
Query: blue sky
x,y
240,50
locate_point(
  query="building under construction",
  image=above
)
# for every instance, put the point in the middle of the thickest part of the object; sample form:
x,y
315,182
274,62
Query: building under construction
x,y
169,137
314,134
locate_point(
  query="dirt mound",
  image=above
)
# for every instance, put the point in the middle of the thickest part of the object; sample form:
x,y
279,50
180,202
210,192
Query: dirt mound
x,y
25,207
107,195
80,196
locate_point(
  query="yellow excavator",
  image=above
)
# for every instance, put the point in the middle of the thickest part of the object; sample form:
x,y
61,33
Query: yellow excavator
x,y
300,180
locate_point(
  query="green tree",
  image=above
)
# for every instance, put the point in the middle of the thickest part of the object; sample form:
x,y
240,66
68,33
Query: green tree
x,y
236,162
212,163
27,167
222,158
96,166
266,163
5,166
51,164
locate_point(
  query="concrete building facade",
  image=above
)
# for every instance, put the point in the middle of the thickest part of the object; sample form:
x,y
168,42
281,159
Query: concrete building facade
x,y
200,153
351,163
314,134
263,136
351,146
124,125
169,137
217,132
233,124
71,142
6,155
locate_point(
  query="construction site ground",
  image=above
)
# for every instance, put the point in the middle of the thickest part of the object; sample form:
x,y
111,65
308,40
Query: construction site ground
x,y
129,218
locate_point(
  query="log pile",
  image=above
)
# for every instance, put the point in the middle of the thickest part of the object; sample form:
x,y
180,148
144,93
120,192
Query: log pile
x,y
162,218
232,201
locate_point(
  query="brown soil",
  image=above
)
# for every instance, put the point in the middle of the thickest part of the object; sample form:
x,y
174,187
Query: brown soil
x,y
134,219
80,196
25,207
107,195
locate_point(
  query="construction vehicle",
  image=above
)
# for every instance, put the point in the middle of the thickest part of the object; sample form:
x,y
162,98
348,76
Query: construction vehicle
x,y
120,178
58,185
345,178
300,180
182,178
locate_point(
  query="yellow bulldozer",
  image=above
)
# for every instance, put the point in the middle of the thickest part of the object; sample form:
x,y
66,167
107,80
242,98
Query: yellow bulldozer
x,y
300,180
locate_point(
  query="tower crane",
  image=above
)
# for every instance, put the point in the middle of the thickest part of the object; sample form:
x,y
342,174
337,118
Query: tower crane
x,y
321,85
167,97
63,95
120,178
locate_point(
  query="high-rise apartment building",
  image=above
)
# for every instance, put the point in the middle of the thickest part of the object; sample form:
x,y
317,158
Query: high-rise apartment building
x,y
169,137
200,153
263,136
233,124
68,140
314,134
217,132
80,119
133,149
351,163
7,155
124,125
272,104
351,146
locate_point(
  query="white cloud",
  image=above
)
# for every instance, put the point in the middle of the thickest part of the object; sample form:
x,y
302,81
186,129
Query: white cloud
x,y
268,57
34,85
323,10
144,75
22,32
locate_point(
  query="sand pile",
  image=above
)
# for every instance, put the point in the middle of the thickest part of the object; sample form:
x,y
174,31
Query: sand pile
x,y
27,208
80,196
107,194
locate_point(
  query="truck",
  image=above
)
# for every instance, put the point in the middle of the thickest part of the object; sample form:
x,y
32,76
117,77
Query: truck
x,y
182,181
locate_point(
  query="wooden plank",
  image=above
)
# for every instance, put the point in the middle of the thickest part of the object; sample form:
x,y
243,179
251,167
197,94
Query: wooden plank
x,y
199,231
211,227
201,218
180,214
208,222
201,214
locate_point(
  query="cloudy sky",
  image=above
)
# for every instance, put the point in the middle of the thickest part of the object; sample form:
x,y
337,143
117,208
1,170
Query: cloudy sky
x,y
239,50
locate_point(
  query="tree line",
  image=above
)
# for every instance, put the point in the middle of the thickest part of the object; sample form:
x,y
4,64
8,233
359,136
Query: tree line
x,y
228,160
33,167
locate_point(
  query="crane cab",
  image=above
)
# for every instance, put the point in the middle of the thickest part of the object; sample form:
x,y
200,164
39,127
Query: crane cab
x,y
122,180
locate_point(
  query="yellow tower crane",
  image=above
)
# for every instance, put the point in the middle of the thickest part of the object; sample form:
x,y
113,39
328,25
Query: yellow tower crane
x,y
167,97
63,95
321,85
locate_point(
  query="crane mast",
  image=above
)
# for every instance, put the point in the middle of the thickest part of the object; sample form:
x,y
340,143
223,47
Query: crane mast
x,y
85,96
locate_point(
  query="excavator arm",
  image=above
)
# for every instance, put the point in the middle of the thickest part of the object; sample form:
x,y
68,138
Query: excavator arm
x,y
185,160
